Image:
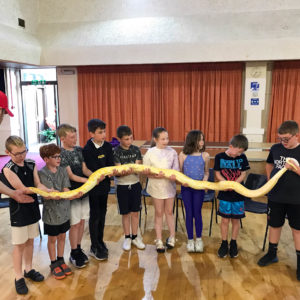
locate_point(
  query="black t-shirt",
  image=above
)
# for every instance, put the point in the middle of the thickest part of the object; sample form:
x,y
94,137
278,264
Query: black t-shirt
x,y
231,168
23,214
287,189
74,159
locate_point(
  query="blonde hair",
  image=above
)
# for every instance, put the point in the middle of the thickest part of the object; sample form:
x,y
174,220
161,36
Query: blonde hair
x,y
63,129
13,140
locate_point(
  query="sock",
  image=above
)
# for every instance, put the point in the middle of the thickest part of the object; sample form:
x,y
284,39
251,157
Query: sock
x,y
60,258
74,251
78,246
224,242
233,242
127,236
53,261
273,248
298,260
133,236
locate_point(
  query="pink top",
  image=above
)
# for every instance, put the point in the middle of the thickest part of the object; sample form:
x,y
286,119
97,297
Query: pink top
x,y
166,158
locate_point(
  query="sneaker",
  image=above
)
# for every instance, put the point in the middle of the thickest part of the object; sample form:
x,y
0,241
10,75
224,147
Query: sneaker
x,y
99,255
83,256
160,248
223,250
66,269
77,260
56,271
190,246
21,287
138,243
233,249
267,259
34,275
103,247
127,244
170,242
199,245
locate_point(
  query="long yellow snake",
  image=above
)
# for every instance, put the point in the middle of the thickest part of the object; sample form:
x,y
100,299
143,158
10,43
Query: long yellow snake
x,y
183,179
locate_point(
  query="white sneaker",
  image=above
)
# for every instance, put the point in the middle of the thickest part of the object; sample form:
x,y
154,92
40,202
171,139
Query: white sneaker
x,y
170,242
160,248
127,244
199,245
138,243
190,246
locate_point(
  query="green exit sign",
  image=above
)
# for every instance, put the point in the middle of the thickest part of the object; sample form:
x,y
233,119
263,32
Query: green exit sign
x,y
38,82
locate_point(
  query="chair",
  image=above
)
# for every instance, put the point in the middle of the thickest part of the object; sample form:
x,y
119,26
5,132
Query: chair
x,y
144,195
253,182
210,196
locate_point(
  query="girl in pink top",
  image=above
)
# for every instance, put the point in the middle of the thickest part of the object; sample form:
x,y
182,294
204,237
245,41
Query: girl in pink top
x,y
162,190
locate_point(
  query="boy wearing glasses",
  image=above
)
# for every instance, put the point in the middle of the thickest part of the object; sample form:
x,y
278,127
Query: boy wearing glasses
x,y
283,199
56,213
18,174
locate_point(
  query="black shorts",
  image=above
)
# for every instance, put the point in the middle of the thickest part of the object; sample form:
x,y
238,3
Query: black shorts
x,y
129,198
277,212
55,230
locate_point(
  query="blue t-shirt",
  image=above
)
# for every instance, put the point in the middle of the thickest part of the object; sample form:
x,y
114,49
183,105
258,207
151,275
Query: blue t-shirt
x,y
231,168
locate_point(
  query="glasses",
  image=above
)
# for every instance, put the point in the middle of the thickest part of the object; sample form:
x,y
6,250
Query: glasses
x,y
19,154
285,139
56,156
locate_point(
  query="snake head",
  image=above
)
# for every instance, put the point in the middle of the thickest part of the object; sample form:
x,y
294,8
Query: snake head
x,y
292,162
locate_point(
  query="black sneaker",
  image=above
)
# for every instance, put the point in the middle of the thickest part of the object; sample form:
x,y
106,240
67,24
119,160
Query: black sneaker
x,y
99,255
77,260
34,275
223,250
83,255
268,259
21,286
233,250
103,247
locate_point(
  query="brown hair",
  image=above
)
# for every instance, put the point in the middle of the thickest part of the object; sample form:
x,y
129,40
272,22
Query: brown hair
x,y
239,141
192,140
155,134
288,127
63,129
49,150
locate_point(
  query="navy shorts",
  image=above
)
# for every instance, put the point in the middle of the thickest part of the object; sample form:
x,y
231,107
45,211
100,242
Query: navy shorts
x,y
277,212
129,198
231,210
55,230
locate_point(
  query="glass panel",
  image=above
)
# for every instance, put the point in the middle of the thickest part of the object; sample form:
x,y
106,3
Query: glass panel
x,y
38,74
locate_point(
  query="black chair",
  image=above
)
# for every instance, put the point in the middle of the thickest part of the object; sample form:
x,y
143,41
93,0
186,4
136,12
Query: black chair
x,y
144,195
210,196
253,182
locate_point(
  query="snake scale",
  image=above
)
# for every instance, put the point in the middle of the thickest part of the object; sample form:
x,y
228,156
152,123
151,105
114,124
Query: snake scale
x,y
183,179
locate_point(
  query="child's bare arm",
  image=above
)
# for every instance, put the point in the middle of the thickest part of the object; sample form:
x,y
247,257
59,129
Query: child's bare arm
x,y
14,180
219,176
241,177
182,158
74,177
37,181
87,172
206,167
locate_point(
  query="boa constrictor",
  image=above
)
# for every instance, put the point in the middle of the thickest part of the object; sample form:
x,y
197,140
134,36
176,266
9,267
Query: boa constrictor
x,y
183,179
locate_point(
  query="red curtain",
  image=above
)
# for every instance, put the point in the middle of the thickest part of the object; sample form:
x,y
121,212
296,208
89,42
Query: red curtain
x,y
179,97
285,99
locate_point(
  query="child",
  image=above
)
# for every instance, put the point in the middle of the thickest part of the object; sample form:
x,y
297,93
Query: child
x,y
162,190
283,199
72,159
20,173
194,162
128,187
97,154
56,213
231,165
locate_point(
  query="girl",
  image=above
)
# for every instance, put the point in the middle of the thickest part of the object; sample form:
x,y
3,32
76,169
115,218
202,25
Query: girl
x,y
162,190
194,163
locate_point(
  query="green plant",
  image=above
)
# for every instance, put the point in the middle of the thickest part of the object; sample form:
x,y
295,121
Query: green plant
x,y
49,134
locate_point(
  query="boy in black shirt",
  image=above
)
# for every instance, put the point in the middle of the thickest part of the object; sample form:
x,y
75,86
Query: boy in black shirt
x,y
231,165
128,188
284,198
97,154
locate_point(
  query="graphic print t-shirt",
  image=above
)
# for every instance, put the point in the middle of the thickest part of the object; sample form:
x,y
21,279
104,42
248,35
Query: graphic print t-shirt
x,y
230,168
287,189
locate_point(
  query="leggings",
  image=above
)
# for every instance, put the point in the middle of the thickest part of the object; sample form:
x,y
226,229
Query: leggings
x,y
193,200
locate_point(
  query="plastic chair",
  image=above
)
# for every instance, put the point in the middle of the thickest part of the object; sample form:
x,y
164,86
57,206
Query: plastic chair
x,y
253,182
144,195
210,196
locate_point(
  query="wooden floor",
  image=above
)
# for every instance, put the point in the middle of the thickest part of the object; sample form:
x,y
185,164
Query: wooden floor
x,y
174,275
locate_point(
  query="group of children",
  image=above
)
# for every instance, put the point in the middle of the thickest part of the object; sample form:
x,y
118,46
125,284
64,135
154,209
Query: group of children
x,y
69,167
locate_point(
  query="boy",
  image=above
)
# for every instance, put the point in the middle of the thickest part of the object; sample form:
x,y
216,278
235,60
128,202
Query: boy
x,y
231,165
72,159
97,153
20,173
128,187
56,213
283,199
